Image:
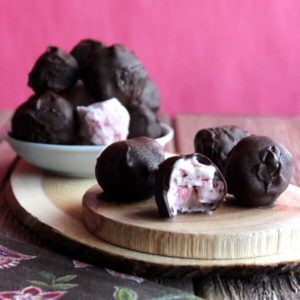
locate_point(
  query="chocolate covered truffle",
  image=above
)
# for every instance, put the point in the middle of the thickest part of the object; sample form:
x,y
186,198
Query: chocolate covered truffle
x,y
115,71
85,49
143,122
54,70
258,170
125,170
45,118
216,143
188,183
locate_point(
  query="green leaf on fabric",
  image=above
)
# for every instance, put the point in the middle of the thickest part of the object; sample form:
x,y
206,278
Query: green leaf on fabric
x,y
66,278
63,286
48,276
39,283
124,294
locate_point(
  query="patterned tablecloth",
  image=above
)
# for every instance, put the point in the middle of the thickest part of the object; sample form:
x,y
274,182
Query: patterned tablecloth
x,y
28,272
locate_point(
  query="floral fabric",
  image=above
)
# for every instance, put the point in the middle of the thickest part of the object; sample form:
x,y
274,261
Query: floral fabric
x,y
31,273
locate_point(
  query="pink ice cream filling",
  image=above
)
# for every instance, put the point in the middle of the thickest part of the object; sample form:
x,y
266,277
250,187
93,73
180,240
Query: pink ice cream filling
x,y
194,187
103,123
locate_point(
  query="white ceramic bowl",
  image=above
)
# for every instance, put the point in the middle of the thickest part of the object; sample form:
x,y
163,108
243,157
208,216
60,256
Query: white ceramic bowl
x,y
76,161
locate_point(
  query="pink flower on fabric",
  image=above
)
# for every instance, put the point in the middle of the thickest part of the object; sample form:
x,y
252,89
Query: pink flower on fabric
x,y
80,264
31,293
9,258
125,276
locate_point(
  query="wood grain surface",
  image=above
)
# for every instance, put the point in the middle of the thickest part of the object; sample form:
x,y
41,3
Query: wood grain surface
x,y
9,225
137,226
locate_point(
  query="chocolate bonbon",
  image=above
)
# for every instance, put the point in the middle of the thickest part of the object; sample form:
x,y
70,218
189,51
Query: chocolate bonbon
x,y
115,71
188,183
143,122
54,70
78,95
125,170
258,170
45,118
85,49
150,96
216,143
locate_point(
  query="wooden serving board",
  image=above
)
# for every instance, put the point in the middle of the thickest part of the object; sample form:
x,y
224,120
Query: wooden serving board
x,y
230,232
53,205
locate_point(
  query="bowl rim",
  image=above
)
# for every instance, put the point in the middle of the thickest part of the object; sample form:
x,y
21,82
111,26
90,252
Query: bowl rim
x,y
168,134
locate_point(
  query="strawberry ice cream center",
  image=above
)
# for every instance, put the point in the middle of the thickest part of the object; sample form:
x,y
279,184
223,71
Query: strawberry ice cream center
x,y
194,187
103,123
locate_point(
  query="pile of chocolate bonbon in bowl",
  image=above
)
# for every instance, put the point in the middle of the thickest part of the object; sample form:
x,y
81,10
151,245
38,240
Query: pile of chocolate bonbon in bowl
x,y
93,88
254,169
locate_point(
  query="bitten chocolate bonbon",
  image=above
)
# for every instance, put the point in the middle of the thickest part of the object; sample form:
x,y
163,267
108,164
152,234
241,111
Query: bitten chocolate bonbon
x,y
188,183
45,118
54,70
125,170
258,170
216,143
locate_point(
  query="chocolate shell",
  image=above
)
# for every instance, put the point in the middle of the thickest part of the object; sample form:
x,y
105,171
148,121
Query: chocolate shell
x,y
54,70
188,183
85,49
47,118
125,170
150,96
115,72
78,95
143,122
258,170
216,143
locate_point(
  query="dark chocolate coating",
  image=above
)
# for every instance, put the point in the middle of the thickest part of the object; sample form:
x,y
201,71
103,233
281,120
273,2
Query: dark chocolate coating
x,y
54,70
47,118
116,72
125,169
216,143
163,176
85,49
150,96
143,122
258,170
78,95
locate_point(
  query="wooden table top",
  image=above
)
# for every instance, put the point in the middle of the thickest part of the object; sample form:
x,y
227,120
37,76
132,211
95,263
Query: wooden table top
x,y
283,285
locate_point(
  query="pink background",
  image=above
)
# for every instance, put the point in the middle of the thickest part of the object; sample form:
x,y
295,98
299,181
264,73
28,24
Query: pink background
x,y
231,56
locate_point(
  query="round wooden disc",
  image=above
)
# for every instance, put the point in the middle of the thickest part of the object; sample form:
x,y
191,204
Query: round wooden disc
x,y
230,232
52,205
